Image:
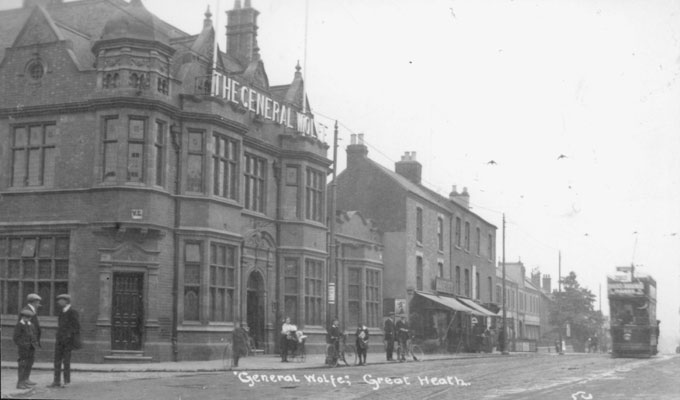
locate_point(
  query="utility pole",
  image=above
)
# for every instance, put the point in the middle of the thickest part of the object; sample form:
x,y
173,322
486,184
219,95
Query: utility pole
x,y
504,345
332,262
559,302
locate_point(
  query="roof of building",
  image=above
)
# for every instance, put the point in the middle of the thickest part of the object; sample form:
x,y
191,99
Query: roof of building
x,y
424,192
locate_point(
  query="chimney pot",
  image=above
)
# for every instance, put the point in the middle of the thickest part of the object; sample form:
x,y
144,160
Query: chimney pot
x,y
353,138
361,138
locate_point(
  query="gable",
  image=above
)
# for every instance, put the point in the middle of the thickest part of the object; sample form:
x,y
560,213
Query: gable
x,y
38,29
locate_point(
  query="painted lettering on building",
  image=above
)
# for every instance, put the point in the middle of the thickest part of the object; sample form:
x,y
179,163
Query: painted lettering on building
x,y
261,105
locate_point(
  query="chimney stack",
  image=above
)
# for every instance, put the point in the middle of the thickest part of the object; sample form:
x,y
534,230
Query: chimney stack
x,y
546,284
242,33
462,198
409,167
357,150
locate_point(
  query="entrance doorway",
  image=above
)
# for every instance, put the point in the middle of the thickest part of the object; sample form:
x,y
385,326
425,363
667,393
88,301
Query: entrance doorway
x,y
255,308
127,320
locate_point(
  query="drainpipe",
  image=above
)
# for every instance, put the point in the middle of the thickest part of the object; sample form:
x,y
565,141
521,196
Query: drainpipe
x,y
278,169
176,135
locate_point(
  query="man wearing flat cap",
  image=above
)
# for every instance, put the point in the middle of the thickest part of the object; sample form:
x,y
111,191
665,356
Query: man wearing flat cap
x,y
68,333
32,304
26,341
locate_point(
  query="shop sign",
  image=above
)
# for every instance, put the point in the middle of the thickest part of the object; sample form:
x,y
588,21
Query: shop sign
x,y
443,285
261,105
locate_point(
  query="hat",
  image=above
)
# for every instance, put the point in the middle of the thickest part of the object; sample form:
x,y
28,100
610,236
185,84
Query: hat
x,y
64,296
27,312
33,297
391,313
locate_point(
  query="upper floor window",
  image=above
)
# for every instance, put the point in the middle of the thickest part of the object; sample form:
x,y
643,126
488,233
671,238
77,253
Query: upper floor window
x,y
489,249
225,167
490,288
478,287
458,231
458,280
254,182
195,156
440,234
159,150
135,161
419,225
440,269
33,155
314,195
110,153
467,282
467,236
419,273
478,240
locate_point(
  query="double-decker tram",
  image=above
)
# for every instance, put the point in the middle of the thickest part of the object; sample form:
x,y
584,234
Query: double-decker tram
x,y
632,304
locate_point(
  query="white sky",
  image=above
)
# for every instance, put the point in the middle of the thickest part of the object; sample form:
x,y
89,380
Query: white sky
x,y
518,82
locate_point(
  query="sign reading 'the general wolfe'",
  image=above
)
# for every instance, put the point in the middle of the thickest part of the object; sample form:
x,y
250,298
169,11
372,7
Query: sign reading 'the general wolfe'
x,y
260,104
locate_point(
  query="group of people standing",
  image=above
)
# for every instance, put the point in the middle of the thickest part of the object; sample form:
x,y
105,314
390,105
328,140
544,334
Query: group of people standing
x,y
398,332
27,335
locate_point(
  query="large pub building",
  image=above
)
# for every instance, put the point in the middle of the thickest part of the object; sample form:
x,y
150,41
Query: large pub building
x,y
164,184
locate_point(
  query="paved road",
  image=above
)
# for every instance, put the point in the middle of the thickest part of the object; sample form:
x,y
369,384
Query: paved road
x,y
515,377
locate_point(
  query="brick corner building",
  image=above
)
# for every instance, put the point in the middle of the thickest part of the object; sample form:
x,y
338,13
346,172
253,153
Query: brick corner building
x,y
163,184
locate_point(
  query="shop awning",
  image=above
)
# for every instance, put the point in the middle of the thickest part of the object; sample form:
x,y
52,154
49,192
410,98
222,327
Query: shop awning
x,y
448,302
484,312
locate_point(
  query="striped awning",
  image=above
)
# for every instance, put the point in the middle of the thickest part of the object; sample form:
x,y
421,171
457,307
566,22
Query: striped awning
x,y
484,312
449,302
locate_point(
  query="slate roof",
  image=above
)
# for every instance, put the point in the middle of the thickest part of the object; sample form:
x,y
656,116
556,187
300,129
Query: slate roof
x,y
422,191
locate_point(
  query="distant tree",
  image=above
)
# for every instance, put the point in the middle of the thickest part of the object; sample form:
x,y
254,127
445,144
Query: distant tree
x,y
574,305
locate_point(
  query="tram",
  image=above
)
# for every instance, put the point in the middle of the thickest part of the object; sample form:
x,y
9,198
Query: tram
x,y
632,303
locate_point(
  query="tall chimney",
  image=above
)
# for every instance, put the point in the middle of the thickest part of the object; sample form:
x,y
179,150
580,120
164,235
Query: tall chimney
x,y
546,284
357,150
409,168
462,198
242,32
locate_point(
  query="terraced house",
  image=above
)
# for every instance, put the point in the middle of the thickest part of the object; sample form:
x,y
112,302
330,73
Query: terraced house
x,y
438,254
164,184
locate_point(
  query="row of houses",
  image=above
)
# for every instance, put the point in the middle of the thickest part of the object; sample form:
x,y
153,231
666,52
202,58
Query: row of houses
x,y
175,193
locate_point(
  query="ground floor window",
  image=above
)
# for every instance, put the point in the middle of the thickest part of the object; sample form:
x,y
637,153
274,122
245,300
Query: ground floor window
x,y
33,264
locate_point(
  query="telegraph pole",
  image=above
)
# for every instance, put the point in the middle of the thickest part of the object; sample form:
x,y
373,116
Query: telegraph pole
x,y
505,332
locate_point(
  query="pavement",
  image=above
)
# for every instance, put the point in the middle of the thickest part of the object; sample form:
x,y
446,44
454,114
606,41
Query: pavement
x,y
259,362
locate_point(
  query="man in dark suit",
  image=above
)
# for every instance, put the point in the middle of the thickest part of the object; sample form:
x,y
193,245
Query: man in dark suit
x,y
26,341
389,336
68,332
33,303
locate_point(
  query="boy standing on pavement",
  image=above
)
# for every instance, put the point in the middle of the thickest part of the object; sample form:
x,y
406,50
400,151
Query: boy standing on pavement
x,y
68,332
26,341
